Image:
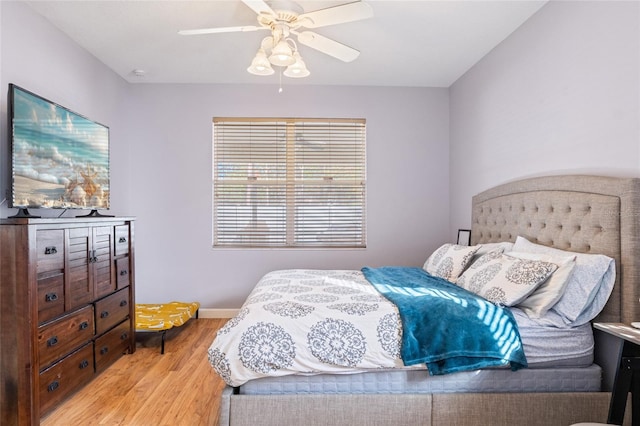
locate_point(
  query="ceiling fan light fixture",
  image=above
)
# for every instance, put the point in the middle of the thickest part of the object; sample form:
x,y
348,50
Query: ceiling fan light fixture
x,y
281,54
298,69
260,64
285,19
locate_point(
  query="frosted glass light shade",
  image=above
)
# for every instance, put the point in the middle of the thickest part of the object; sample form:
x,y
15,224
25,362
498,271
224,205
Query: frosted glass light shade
x,y
281,54
297,69
260,64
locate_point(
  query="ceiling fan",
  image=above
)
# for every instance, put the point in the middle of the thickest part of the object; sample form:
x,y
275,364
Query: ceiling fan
x,y
286,18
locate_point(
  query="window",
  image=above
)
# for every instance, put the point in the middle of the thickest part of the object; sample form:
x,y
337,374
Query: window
x,y
285,182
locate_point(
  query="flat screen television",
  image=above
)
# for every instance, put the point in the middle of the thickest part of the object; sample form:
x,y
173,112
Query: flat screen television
x,y
59,159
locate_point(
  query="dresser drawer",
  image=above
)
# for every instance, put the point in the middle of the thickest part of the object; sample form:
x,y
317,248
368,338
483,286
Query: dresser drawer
x,y
50,249
63,335
111,345
62,378
122,240
111,310
122,272
50,297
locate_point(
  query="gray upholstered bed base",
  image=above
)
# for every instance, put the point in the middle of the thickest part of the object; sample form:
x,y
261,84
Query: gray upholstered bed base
x,y
459,409
590,214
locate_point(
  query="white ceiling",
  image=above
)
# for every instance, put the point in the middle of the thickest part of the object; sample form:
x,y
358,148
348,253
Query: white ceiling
x,y
406,43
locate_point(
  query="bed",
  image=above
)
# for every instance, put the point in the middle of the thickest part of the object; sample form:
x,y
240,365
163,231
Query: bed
x,y
593,215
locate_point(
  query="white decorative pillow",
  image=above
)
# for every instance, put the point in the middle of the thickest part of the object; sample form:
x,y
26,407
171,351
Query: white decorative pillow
x,y
478,261
485,248
550,291
449,261
503,279
589,286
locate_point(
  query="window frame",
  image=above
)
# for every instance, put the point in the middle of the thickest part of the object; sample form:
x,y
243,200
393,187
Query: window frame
x,y
346,161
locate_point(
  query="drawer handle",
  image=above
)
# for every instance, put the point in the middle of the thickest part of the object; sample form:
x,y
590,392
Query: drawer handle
x,y
84,325
53,386
104,314
124,272
50,297
104,350
84,364
124,336
52,341
123,303
50,250
122,240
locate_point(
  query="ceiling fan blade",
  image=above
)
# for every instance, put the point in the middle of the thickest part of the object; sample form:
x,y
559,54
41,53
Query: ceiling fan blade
x,y
328,46
221,30
259,7
336,15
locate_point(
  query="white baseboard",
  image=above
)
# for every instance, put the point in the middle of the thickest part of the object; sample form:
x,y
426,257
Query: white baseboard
x,y
217,313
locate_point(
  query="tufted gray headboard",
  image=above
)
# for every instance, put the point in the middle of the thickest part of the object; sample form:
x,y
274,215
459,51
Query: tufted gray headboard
x,y
587,214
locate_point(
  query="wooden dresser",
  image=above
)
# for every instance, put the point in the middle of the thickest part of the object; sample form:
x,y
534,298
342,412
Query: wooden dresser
x,y
67,308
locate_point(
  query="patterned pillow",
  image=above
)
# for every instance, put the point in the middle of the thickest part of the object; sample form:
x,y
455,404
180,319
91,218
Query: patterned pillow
x,y
485,257
449,261
485,248
503,279
550,291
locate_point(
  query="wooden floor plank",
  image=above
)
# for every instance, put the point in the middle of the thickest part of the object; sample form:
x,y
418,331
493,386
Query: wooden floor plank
x,y
147,388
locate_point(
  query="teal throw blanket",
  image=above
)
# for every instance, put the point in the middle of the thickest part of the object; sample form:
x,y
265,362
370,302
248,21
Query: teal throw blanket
x,y
445,326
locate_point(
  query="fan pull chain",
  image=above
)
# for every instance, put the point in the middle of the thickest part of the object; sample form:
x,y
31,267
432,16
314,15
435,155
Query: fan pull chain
x,y
280,89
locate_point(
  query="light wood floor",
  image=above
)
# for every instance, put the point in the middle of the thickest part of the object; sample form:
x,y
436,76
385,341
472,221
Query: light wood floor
x,y
149,389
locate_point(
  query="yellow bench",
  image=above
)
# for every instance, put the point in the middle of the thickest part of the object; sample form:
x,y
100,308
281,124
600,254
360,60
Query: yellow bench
x,y
162,317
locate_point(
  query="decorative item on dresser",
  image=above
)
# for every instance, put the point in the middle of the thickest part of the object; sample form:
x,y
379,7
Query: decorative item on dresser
x,y
67,308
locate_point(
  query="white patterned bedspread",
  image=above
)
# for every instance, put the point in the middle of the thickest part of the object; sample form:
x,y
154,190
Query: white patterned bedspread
x,y
314,321
308,322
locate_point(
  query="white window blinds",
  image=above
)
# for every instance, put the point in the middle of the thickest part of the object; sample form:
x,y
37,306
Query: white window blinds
x,y
289,182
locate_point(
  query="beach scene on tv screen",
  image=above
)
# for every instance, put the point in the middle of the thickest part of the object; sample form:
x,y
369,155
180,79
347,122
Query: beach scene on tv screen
x,y
60,159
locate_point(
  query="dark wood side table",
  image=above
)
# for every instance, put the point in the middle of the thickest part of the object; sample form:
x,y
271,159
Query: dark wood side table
x,y
627,378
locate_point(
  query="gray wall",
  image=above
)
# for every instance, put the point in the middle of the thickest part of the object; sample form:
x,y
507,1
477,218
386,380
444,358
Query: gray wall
x,y
407,186
560,95
161,163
